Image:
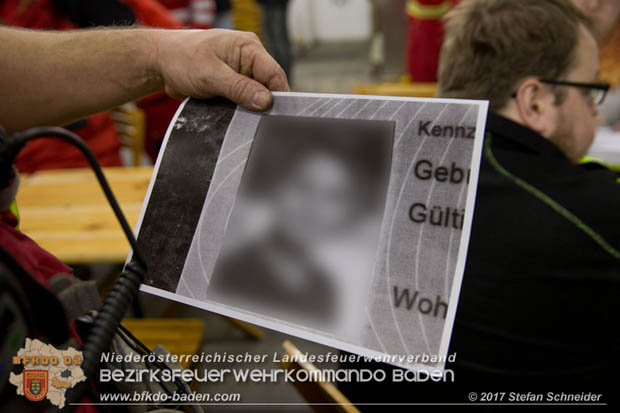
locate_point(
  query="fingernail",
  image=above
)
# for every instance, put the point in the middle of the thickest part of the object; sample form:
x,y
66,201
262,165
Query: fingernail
x,y
261,99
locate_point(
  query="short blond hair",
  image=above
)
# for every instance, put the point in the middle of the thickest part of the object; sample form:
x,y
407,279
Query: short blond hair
x,y
490,45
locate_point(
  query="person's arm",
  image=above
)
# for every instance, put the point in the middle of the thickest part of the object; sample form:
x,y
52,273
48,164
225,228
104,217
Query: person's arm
x,y
51,78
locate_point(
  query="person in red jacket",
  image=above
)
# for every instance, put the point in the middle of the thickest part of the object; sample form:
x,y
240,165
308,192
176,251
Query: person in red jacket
x,y
424,38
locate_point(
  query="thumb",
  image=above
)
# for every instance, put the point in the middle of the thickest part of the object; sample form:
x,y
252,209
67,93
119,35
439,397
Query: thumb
x,y
243,90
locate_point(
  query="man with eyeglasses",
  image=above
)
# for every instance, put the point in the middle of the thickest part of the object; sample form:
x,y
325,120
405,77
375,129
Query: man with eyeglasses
x,y
539,305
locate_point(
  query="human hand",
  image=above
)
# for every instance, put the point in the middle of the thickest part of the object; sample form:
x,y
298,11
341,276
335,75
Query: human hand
x,y
207,63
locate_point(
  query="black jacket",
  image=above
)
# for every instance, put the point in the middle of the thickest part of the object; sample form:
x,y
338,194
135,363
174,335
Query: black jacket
x,y
539,304
540,296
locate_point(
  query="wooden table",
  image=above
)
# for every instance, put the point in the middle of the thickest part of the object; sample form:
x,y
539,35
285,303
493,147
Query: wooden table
x,y
66,212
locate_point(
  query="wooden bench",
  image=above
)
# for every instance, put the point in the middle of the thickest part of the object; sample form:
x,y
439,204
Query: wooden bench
x,y
66,212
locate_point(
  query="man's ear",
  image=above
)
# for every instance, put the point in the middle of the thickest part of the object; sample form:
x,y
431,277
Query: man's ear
x,y
536,106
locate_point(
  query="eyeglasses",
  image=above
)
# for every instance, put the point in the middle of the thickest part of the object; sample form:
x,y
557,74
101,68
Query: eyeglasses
x,y
597,91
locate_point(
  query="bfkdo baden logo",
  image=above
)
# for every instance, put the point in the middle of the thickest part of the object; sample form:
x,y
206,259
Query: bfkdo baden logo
x,y
47,372
35,384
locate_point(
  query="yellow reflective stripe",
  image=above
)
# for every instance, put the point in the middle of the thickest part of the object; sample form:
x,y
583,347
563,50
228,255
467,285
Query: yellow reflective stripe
x,y
592,159
424,11
15,211
589,158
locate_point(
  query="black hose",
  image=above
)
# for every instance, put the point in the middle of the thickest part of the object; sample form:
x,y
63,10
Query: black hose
x,y
126,288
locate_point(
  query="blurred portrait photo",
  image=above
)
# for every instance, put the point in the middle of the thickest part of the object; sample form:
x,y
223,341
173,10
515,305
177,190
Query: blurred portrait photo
x,y
301,240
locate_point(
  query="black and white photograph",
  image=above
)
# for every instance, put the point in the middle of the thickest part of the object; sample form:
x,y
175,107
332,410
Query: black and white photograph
x,y
310,190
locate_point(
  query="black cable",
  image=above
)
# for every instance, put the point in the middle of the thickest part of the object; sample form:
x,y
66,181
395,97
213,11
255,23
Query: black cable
x,y
126,288
129,343
108,321
134,338
137,350
140,348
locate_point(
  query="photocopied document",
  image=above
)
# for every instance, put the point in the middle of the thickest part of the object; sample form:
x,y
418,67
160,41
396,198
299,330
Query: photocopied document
x,y
340,219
